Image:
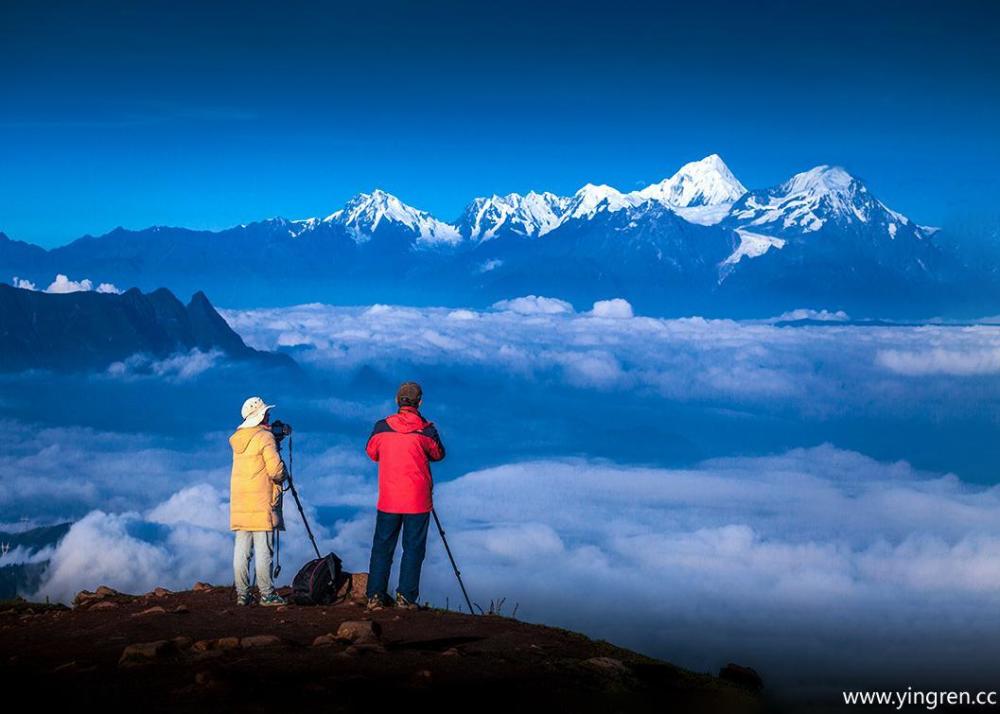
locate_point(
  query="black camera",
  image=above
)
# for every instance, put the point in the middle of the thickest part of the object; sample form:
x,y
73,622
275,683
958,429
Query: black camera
x,y
280,430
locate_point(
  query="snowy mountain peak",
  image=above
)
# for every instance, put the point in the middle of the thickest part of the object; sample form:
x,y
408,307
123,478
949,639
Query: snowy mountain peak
x,y
810,200
821,180
365,212
592,199
704,192
374,206
701,191
529,215
713,161
707,182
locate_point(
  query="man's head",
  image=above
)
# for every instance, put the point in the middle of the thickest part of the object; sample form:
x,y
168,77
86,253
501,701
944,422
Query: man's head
x,y
409,394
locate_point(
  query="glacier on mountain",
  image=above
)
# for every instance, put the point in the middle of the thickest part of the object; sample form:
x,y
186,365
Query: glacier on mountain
x,y
752,245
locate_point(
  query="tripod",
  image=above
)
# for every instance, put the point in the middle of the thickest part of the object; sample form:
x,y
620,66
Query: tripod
x,y
305,521
458,573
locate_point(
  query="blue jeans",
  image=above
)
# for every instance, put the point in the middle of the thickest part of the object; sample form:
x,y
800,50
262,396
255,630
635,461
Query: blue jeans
x,y
260,545
387,527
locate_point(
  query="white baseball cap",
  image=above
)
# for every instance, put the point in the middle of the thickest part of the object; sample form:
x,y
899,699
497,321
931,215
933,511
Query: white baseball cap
x,y
253,412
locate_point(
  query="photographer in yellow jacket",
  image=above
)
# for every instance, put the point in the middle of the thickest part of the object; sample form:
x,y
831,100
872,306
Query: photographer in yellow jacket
x,y
255,500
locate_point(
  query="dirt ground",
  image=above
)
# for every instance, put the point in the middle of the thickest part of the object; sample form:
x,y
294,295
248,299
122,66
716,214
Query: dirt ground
x,y
204,658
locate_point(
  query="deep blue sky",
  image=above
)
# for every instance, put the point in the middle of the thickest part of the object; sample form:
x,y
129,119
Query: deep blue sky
x,y
142,113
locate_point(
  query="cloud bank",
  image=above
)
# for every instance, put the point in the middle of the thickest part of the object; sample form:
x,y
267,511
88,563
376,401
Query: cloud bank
x,y
62,284
178,367
818,370
817,565
65,472
810,564
973,361
534,305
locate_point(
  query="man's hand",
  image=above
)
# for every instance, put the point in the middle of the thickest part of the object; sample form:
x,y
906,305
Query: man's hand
x,y
282,475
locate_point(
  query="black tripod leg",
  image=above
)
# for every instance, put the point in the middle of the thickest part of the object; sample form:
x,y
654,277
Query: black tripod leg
x,y
458,573
305,521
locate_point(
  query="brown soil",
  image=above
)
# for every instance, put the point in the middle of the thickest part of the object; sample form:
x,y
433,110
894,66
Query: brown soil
x,y
444,661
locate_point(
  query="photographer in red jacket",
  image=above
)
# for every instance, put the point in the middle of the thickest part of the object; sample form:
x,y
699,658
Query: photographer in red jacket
x,y
403,444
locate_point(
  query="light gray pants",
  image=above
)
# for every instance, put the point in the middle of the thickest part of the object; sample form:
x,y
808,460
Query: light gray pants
x,y
250,543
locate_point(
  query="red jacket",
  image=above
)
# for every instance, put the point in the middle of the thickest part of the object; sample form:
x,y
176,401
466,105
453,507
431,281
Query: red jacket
x,y
404,444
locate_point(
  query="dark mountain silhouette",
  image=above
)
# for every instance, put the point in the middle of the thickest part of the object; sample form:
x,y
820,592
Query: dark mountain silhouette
x,y
84,331
26,577
35,538
16,253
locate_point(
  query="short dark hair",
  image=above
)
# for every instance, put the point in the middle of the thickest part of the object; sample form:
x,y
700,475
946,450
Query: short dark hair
x,y
409,394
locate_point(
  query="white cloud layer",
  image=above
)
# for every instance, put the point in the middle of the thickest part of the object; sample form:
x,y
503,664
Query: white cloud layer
x,y
816,565
806,314
62,284
616,308
976,360
821,370
807,563
178,367
65,472
534,305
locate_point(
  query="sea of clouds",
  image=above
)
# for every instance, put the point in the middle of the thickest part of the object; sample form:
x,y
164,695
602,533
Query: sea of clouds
x,y
822,369
815,563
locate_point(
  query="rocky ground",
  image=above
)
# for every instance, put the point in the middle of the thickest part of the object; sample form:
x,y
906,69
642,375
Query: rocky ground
x,y
197,651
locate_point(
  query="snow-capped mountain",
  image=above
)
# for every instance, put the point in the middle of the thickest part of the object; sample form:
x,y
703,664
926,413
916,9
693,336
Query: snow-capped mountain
x,y
695,242
591,200
364,214
829,213
536,214
700,192
530,215
822,196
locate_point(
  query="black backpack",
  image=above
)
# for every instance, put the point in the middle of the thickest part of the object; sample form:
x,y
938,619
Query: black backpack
x,y
321,582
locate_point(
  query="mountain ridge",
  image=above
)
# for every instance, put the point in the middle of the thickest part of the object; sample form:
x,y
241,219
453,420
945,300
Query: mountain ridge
x,y
82,331
862,255
707,182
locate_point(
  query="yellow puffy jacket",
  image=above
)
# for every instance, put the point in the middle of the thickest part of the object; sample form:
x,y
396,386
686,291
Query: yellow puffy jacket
x,y
255,485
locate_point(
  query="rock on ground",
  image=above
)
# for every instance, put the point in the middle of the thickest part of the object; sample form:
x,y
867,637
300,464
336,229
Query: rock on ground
x,y
360,631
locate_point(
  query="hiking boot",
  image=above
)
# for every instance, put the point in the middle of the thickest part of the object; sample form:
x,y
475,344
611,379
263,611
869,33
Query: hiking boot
x,y
406,604
244,599
273,600
377,602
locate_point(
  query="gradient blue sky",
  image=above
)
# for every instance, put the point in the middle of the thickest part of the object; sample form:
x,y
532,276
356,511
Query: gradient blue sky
x,y
212,114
